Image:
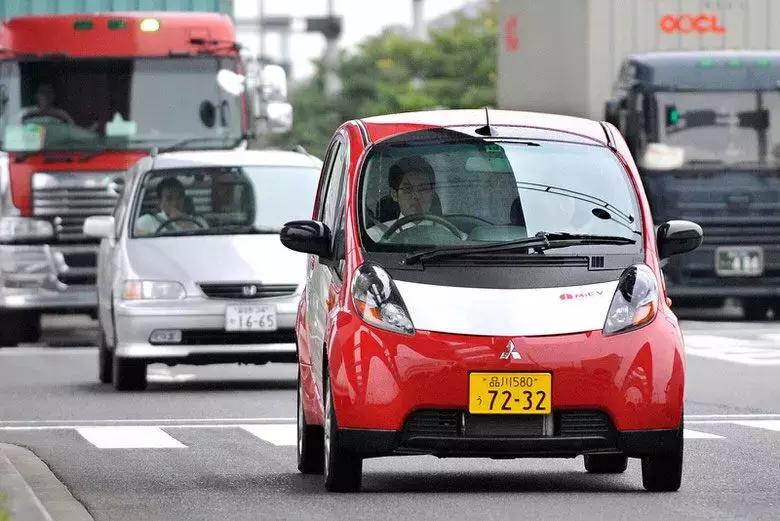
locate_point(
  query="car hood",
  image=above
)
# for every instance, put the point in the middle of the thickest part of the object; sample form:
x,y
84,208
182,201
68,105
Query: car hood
x,y
507,312
222,258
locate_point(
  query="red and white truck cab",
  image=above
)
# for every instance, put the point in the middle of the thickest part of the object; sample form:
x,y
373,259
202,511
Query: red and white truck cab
x,y
82,98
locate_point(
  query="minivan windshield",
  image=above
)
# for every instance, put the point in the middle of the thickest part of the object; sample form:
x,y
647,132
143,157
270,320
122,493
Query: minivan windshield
x,y
474,192
222,200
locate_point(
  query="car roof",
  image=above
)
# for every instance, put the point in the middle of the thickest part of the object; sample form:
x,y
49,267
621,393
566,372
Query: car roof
x,y
227,158
380,127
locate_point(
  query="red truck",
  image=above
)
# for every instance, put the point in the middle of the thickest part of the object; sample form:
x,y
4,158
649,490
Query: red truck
x,y
82,98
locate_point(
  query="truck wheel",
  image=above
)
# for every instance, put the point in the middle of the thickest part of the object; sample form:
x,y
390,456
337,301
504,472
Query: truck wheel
x,y
606,463
10,329
663,472
129,374
30,324
755,310
343,470
310,440
105,360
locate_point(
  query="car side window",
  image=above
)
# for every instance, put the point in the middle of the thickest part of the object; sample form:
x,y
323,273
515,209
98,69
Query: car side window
x,y
333,193
322,189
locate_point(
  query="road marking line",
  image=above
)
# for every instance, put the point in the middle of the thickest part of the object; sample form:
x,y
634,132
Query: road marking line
x,y
279,435
698,435
37,351
161,421
747,351
129,437
730,416
772,425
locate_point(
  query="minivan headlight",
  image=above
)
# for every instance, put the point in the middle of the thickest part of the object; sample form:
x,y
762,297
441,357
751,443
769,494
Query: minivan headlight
x,y
152,289
635,302
378,301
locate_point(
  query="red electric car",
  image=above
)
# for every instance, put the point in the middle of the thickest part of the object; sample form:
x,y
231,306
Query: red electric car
x,y
487,284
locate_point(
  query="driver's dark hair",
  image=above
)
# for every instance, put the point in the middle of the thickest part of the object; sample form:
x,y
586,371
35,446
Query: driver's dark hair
x,y
409,164
170,183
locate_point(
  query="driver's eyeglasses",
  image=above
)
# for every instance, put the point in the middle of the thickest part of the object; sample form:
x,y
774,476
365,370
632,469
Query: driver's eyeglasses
x,y
409,189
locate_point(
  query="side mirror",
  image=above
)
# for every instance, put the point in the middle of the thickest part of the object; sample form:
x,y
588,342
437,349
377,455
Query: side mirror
x,y
275,117
307,237
99,226
675,237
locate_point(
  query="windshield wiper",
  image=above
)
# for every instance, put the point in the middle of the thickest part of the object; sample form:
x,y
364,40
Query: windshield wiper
x,y
245,229
188,141
540,242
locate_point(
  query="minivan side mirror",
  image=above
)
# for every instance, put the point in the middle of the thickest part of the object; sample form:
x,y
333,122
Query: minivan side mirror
x,y
675,237
99,226
307,237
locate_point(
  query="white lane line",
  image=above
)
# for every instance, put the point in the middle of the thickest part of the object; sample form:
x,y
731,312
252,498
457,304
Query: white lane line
x,y
155,421
695,417
772,425
129,437
38,351
279,435
698,435
747,351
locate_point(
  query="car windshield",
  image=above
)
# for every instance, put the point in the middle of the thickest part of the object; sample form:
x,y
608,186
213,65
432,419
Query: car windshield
x,y
93,104
222,200
721,127
474,192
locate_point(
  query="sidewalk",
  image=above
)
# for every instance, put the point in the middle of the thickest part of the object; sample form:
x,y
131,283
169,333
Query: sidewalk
x,y
29,491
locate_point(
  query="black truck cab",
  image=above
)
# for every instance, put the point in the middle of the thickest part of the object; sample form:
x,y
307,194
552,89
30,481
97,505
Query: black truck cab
x,y
704,128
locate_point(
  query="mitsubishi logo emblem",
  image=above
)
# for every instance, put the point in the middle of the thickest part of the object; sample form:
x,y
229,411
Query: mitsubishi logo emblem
x,y
510,352
249,291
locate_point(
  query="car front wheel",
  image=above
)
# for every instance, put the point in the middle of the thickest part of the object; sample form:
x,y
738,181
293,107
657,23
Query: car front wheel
x,y
129,374
311,455
343,470
663,472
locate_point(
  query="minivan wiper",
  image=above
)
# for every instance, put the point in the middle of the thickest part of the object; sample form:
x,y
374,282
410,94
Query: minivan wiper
x,y
540,242
245,229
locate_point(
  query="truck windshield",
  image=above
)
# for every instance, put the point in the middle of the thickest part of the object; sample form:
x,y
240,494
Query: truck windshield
x,y
721,127
96,104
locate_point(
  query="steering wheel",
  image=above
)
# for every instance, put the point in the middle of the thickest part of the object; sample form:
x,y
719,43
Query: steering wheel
x,y
422,217
177,219
38,114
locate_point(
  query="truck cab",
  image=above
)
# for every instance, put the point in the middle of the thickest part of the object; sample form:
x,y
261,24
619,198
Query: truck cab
x,y
705,130
82,98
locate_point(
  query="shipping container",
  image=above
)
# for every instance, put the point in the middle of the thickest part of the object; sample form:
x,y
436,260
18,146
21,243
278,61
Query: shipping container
x,y
563,55
11,8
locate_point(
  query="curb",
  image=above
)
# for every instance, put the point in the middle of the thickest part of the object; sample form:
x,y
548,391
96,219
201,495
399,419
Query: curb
x,y
32,492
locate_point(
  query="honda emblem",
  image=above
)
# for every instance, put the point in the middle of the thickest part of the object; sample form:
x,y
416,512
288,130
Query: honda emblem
x,y
510,352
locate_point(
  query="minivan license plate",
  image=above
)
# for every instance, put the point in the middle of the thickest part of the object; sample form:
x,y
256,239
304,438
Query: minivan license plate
x,y
256,317
734,261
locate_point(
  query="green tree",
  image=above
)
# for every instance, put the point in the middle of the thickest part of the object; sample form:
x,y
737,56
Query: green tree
x,y
392,72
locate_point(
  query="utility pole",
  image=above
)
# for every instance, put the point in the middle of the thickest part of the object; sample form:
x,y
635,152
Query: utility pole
x,y
332,83
418,20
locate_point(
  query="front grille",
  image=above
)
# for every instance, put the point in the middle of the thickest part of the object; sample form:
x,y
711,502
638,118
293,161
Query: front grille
x,y
195,337
434,423
68,198
583,423
247,290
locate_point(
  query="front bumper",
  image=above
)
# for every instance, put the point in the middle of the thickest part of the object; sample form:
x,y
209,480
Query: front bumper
x,y
204,339
380,378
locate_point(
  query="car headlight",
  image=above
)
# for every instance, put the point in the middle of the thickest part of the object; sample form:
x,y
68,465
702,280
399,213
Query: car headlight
x,y
378,301
24,229
152,289
635,302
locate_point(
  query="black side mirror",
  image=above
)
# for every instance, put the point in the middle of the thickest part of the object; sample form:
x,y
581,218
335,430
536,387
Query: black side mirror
x,y
307,237
675,237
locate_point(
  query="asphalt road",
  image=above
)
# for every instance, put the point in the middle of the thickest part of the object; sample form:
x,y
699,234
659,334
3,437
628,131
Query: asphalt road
x,y
218,443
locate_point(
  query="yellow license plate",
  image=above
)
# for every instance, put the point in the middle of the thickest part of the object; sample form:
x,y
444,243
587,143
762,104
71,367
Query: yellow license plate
x,y
510,393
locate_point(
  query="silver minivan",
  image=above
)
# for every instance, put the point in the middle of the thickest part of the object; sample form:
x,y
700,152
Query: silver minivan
x,y
191,270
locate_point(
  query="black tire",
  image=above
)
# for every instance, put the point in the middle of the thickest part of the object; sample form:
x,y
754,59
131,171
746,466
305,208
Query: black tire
x,y
311,448
129,374
663,472
30,324
105,361
606,463
755,310
10,329
343,470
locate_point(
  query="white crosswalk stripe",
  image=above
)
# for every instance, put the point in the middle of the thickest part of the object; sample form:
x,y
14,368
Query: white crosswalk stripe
x,y
129,437
689,434
772,425
279,435
761,350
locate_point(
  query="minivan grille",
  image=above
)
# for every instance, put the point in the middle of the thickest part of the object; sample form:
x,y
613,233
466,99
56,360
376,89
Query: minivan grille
x,y
247,290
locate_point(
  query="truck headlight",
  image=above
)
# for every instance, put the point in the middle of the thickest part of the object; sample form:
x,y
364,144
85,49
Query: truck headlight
x,y
24,229
152,290
635,302
378,301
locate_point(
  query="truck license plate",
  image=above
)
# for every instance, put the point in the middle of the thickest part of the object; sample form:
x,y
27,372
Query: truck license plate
x,y
257,317
735,261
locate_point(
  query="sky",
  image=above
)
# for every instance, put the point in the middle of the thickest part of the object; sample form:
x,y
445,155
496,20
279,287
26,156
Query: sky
x,y
362,18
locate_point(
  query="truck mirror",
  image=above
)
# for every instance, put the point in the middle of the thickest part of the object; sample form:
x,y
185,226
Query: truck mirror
x,y
755,119
273,83
275,118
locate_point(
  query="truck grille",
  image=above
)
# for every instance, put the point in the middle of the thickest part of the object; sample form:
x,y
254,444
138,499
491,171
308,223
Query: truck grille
x,y
67,199
247,290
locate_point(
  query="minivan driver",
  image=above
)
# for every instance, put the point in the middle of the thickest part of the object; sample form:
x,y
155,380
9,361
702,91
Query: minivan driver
x,y
172,216
412,186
